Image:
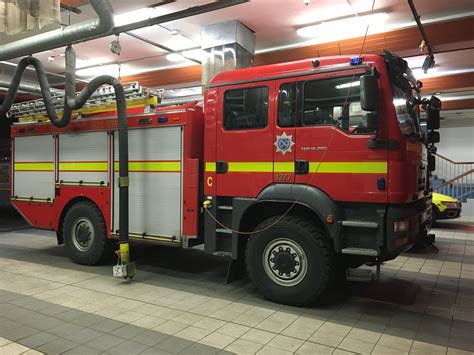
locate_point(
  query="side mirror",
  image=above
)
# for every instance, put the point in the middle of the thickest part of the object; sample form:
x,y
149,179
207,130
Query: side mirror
x,y
431,162
433,137
432,113
368,93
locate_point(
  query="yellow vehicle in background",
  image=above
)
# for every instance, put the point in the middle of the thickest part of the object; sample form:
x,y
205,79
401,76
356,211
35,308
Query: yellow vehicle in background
x,y
445,207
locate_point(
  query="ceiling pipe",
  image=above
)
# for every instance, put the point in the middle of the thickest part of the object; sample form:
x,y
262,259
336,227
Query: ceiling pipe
x,y
101,27
63,36
30,88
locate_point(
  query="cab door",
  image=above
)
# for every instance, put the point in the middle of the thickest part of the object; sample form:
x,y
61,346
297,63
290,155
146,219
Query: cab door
x,y
333,140
284,141
244,139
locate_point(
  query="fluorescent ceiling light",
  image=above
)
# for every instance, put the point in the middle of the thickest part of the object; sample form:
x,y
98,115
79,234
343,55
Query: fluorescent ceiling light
x,y
418,73
348,85
175,57
109,69
197,54
136,15
345,26
399,102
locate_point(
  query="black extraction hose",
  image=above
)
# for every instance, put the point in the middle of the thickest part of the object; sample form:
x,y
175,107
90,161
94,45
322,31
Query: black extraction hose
x,y
71,102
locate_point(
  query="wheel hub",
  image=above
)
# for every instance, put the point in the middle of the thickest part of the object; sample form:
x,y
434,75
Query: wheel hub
x,y
83,234
285,262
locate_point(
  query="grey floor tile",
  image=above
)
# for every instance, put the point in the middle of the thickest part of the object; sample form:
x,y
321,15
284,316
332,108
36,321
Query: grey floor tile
x,y
84,335
83,350
88,320
200,349
70,315
150,337
6,324
48,323
57,346
128,331
65,329
105,342
108,325
38,339
173,345
19,332
54,310
128,348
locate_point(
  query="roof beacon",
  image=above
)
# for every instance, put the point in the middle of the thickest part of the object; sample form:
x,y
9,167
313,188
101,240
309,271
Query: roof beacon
x,y
357,61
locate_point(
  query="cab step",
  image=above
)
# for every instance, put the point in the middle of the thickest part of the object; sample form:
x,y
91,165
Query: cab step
x,y
363,274
360,251
223,230
360,224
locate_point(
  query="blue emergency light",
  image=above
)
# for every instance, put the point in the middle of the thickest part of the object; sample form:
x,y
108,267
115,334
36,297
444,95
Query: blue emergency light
x,y
162,119
357,61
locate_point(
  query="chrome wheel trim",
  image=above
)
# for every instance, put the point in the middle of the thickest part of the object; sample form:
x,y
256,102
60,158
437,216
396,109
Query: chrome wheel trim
x,y
83,234
274,270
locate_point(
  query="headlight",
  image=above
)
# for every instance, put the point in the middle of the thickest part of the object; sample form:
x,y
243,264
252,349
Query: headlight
x,y
400,226
450,204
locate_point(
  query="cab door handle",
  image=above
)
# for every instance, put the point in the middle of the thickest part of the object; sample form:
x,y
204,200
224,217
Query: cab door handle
x,y
301,167
221,167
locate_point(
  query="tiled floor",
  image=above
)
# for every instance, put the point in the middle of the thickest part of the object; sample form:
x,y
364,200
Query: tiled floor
x,y
179,303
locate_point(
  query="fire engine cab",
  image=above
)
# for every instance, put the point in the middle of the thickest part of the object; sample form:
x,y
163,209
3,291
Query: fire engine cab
x,y
299,170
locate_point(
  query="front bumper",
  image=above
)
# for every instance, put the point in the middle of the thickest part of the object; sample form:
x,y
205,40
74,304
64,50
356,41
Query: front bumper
x,y
449,213
418,216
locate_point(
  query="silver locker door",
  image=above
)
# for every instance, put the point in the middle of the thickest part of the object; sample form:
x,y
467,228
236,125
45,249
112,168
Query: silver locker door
x,y
33,164
155,181
84,157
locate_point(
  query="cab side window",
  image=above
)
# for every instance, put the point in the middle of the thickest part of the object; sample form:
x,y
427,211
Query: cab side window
x,y
246,108
334,102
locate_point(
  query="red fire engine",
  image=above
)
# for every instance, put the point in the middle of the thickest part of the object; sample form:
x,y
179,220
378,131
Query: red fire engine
x,y
300,169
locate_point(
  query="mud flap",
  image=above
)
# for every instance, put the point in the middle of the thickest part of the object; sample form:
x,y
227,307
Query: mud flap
x,y
235,270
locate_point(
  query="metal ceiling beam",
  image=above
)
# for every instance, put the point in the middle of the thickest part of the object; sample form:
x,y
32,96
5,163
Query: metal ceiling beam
x,y
167,49
178,15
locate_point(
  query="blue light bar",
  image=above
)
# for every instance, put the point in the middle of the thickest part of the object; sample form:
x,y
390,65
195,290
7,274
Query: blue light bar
x,y
162,119
357,61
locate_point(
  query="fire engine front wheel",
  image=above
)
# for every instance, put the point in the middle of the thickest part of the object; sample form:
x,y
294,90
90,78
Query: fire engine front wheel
x,y
291,262
85,234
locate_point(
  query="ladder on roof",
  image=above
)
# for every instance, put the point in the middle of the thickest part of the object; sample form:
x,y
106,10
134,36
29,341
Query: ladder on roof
x,y
102,100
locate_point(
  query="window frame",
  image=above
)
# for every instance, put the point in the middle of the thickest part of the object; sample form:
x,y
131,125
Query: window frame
x,y
302,99
224,94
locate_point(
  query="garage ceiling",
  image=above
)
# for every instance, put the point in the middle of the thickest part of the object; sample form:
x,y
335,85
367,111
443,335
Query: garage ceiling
x,y
275,23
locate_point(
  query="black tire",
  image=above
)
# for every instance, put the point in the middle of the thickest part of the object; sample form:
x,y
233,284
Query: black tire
x,y
300,288
81,220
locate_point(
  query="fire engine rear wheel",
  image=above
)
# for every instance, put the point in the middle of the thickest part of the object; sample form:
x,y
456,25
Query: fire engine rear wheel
x,y
290,263
85,234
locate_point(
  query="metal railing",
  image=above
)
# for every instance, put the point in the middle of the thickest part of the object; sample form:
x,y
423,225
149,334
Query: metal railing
x,y
454,178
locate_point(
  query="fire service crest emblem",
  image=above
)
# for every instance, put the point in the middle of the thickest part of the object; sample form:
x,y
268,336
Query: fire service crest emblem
x,y
284,143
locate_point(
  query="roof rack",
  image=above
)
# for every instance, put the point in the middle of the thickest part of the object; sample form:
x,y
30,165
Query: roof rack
x,y
102,100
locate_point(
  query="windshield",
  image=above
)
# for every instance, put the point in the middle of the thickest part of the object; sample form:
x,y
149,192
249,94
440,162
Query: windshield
x,y
406,109
405,95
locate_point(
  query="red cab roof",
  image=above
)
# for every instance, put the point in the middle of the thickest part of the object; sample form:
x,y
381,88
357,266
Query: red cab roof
x,y
285,69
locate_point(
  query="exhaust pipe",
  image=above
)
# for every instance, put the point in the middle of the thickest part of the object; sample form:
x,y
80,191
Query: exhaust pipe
x,y
65,35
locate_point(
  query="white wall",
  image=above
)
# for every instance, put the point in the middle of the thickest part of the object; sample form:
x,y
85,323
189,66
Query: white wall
x,y
457,143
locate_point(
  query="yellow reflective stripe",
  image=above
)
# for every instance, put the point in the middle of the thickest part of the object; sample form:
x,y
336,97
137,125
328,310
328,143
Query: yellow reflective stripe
x,y
284,167
288,167
83,166
211,167
250,167
353,167
34,166
151,166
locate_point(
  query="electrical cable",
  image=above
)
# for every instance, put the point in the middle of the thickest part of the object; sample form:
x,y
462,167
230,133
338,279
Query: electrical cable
x,y
313,174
